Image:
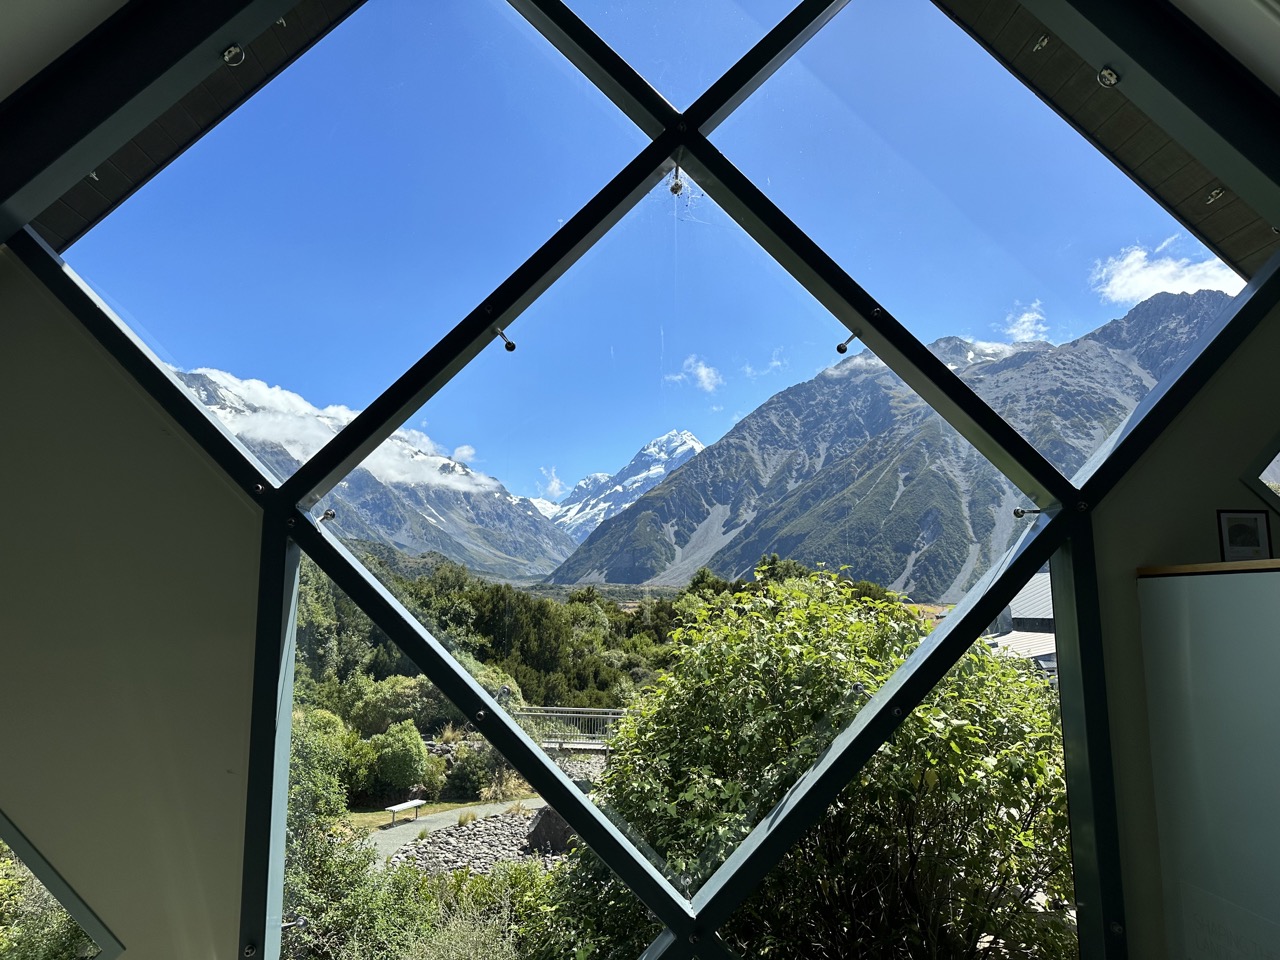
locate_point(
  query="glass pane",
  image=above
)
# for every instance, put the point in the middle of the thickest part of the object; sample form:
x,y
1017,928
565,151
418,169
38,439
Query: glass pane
x,y
408,835
681,48
952,841
32,921
332,229
974,214
814,479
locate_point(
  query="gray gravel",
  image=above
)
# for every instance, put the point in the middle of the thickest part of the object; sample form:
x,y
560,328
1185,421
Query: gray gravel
x,y
475,846
387,840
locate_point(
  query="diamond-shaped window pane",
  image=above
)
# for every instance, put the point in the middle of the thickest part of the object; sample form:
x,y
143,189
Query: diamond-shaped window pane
x,y
681,48
676,327
331,230
945,188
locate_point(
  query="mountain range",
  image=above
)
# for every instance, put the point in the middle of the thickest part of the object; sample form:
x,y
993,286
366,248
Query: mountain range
x,y
853,468
848,468
411,495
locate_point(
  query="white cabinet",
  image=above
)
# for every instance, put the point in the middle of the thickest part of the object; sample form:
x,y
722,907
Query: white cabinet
x,y
1211,647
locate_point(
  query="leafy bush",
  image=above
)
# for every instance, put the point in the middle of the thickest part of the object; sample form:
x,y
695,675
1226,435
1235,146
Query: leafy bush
x,y
33,924
942,847
473,768
401,760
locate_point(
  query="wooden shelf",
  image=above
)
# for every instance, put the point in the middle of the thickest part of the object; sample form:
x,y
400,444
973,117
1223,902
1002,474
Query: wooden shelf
x,y
1191,569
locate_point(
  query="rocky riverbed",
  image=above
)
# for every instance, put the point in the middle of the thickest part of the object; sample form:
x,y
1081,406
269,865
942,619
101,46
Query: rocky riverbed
x,y
477,846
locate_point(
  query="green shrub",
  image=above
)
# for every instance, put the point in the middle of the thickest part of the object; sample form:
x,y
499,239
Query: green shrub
x,y
433,778
472,770
401,760
939,848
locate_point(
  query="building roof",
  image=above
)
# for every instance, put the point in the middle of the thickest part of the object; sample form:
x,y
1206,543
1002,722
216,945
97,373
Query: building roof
x,y
1025,644
1034,601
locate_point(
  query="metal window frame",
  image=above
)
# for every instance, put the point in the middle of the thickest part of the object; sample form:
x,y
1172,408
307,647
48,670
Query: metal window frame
x,y
109,946
1062,532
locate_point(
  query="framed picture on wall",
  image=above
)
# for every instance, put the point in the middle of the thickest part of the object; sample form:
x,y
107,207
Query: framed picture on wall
x,y
1244,534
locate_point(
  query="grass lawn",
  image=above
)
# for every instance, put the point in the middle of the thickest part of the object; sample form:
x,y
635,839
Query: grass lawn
x,y
366,819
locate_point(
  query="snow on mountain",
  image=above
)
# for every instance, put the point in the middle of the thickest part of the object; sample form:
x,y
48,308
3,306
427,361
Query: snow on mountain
x,y
545,507
408,493
254,411
599,496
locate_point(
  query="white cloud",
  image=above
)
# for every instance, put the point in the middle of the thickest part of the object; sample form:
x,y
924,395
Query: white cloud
x,y
706,377
256,411
716,408
776,363
464,453
1026,323
1135,274
554,488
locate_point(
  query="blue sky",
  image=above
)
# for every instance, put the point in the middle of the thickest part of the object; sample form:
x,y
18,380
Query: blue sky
x,y
329,232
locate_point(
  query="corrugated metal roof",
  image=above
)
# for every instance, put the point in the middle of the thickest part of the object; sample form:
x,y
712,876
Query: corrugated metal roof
x,y
1034,601
1025,644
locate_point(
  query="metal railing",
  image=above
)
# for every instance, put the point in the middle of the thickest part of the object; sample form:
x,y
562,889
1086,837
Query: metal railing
x,y
569,728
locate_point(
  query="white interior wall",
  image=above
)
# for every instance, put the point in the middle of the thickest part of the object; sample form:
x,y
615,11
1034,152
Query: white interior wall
x,y
127,605
1164,512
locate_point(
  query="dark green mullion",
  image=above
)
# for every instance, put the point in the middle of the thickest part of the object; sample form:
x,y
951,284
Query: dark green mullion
x,y
615,78
759,63
268,769
478,329
827,281
807,801
1086,734
484,713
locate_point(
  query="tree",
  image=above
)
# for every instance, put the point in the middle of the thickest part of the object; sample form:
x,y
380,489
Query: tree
x,y
949,842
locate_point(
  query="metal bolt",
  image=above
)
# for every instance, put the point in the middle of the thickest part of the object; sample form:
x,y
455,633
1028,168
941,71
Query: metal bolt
x,y
1082,507
1117,928
896,711
680,127
480,715
250,950
1216,193
1108,77
693,938
1041,43
291,522
233,56
259,489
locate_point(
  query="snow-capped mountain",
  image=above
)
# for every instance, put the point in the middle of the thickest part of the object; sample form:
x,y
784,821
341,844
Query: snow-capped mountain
x,y
408,493
599,496
853,468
